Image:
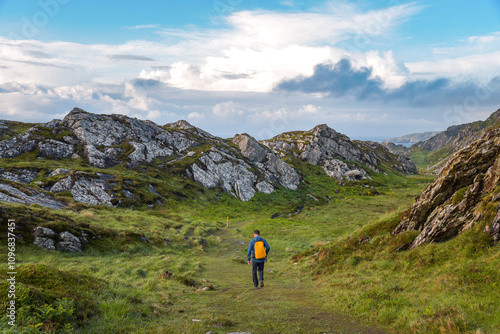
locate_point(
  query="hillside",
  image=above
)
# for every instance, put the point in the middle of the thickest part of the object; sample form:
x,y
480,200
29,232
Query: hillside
x,y
423,269
433,153
465,193
412,138
116,160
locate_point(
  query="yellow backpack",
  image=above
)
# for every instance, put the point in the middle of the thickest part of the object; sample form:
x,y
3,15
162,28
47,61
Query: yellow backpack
x,y
260,250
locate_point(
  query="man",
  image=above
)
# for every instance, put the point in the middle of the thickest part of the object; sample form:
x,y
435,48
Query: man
x,y
257,251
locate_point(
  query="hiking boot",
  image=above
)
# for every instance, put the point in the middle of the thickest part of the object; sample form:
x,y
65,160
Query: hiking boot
x,y
261,284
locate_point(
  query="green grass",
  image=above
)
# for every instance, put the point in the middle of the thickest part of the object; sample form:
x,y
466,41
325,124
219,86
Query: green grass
x,y
154,271
436,288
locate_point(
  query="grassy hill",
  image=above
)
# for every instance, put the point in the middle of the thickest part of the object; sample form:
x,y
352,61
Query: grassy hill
x,y
121,282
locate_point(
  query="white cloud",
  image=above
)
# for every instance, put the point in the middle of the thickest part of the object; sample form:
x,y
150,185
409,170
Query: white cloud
x,y
227,109
482,67
144,26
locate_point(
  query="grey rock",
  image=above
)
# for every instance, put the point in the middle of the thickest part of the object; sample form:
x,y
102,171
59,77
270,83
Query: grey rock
x,y
278,171
51,148
45,243
264,187
341,170
18,175
323,145
13,147
46,232
250,148
244,189
92,191
273,167
14,195
75,156
43,237
128,194
97,158
59,171
233,176
62,185
153,189
69,243
84,238
206,179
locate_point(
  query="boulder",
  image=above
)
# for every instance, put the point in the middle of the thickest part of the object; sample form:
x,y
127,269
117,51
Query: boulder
x,y
250,148
43,238
62,185
59,171
51,148
264,187
69,243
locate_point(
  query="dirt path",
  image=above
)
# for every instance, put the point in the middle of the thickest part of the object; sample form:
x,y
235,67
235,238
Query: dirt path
x,y
286,304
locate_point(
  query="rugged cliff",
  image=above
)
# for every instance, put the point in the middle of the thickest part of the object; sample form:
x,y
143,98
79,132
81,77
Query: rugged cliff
x,y
466,192
337,154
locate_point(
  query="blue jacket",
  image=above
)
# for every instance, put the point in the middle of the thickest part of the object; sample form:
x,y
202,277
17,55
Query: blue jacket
x,y
251,252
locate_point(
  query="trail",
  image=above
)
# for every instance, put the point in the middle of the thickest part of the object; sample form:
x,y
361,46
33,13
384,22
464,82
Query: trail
x,y
286,304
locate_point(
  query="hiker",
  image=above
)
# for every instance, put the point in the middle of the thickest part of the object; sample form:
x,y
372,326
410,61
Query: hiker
x,y
257,251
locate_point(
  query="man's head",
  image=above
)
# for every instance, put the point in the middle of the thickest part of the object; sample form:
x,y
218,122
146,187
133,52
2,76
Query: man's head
x,y
256,233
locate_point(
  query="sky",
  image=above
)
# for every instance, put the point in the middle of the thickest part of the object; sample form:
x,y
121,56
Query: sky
x,y
369,69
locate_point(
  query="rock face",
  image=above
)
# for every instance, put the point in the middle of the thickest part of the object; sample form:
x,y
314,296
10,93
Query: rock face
x,y
88,189
29,196
275,170
464,193
325,147
220,167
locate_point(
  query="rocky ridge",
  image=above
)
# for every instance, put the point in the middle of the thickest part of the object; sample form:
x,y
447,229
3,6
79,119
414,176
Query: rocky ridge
x,y
340,157
241,166
108,140
465,192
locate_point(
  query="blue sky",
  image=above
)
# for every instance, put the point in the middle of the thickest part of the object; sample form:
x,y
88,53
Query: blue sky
x,y
370,69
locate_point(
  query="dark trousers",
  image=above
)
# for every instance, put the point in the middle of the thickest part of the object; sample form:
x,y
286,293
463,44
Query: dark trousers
x,y
260,268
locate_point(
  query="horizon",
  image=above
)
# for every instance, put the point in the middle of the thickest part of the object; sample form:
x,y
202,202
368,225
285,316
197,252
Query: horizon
x,y
369,70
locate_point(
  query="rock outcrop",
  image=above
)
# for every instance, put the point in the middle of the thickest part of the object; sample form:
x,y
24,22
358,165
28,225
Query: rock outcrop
x,y
220,167
464,193
337,154
20,175
27,196
64,241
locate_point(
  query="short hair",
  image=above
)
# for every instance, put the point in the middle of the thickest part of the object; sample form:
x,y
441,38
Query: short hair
x,y
256,232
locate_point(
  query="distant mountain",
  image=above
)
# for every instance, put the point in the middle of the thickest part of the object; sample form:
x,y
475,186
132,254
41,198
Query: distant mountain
x,y
118,160
411,138
432,154
458,136
465,193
